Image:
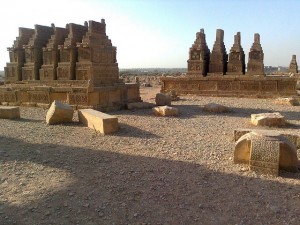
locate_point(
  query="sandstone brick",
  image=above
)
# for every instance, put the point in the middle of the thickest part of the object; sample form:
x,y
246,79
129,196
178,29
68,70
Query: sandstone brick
x,y
59,113
9,112
98,121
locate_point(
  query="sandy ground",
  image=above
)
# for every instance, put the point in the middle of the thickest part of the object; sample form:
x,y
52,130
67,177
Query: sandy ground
x,y
176,170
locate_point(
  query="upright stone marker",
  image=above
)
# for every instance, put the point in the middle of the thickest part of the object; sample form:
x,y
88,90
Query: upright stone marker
x,y
293,68
236,63
256,58
218,57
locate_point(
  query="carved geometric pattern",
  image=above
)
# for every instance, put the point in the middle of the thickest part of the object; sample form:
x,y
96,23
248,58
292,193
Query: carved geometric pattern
x,y
39,96
78,99
8,96
264,156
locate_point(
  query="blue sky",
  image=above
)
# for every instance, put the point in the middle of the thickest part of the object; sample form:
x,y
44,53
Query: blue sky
x,y
159,33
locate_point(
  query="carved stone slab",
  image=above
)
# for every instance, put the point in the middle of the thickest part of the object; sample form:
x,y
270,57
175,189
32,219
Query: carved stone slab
x,y
8,96
78,98
264,156
39,96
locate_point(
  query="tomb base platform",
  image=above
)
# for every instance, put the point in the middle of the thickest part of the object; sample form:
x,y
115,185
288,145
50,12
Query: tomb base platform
x,y
77,93
232,86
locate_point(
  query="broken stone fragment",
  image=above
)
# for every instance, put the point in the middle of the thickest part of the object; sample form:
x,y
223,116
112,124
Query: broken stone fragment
x,y
165,111
268,119
59,113
266,152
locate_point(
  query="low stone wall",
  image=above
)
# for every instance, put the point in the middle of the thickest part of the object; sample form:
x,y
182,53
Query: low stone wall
x,y
79,94
232,86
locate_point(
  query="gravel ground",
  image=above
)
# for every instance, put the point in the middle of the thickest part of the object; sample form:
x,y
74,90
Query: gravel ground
x,y
155,170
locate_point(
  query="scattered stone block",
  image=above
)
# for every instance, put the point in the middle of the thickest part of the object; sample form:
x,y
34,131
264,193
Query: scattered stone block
x,y
139,105
165,111
287,101
266,152
59,113
268,119
98,121
9,112
162,99
215,108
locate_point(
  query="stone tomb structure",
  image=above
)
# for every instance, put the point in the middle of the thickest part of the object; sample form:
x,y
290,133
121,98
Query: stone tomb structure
x,y
75,65
13,69
293,68
228,79
199,56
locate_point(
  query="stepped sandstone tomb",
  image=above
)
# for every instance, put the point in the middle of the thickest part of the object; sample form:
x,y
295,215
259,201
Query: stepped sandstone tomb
x,y
76,65
216,74
293,68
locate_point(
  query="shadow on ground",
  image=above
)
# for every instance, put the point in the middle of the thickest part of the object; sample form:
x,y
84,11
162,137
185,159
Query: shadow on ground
x,y
113,188
130,131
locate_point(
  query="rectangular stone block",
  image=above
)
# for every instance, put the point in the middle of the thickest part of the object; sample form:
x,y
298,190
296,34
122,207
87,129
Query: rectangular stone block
x,y
9,112
98,121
